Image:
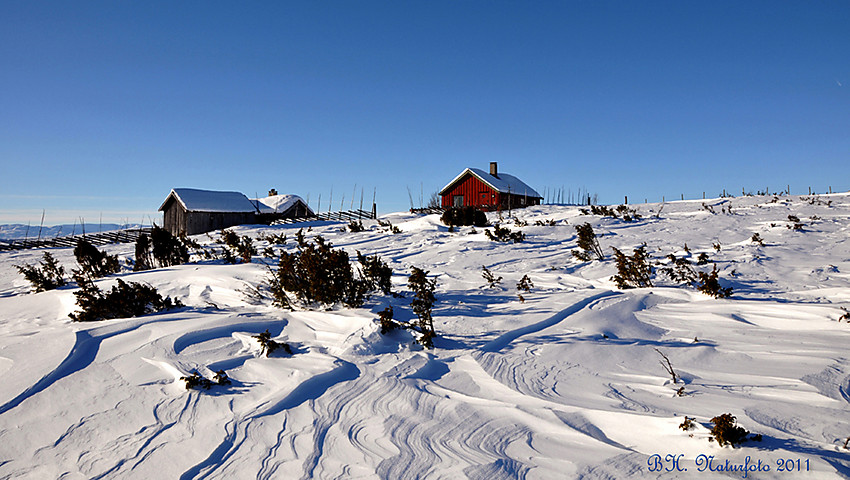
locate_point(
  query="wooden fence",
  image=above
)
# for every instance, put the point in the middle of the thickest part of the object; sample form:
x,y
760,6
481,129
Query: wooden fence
x,y
101,238
342,216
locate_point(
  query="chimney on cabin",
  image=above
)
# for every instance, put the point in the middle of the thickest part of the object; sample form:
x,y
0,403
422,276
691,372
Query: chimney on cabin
x,y
494,169
272,192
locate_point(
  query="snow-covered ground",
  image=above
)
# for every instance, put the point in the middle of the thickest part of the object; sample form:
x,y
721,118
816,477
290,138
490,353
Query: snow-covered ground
x,y
567,384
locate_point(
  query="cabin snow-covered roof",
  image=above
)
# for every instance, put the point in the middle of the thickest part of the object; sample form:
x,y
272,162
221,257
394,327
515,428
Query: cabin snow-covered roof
x,y
504,183
195,200
278,203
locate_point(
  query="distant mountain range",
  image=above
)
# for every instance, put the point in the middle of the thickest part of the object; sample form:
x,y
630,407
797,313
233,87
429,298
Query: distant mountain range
x,y
15,231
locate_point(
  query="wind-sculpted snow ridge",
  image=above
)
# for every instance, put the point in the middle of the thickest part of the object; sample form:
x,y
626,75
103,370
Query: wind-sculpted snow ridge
x,y
568,383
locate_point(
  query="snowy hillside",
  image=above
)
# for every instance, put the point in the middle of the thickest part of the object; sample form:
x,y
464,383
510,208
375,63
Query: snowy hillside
x,y
567,384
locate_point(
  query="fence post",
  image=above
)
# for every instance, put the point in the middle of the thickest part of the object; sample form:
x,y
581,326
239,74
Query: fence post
x,y
627,199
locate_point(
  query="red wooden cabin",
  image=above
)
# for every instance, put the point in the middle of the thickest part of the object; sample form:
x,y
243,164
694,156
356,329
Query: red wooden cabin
x,y
488,191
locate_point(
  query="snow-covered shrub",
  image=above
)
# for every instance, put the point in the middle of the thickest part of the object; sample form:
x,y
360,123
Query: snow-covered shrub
x,y
702,259
601,210
756,238
94,263
423,291
268,346
273,238
588,244
167,249
48,276
687,424
220,378
709,285
491,279
545,223
525,284
386,318
504,234
628,214
197,381
161,249
461,216
632,271
389,226
355,227
243,247
679,270
376,272
124,300
143,261
316,273
726,431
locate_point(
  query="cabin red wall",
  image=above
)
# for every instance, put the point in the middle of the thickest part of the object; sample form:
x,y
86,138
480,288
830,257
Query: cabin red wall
x,y
472,189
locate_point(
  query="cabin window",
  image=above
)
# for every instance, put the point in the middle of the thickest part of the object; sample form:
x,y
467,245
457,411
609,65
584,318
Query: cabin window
x,y
457,200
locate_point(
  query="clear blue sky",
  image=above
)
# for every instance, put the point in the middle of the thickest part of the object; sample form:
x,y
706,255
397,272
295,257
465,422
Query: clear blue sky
x,y
105,106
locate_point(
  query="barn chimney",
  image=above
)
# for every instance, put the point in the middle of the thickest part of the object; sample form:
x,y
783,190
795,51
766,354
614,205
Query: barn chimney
x,y
272,192
494,169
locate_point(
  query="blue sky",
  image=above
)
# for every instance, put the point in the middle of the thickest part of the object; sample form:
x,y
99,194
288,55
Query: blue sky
x,y
105,106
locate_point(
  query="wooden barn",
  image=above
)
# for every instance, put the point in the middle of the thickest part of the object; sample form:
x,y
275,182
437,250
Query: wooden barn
x,y
189,211
488,191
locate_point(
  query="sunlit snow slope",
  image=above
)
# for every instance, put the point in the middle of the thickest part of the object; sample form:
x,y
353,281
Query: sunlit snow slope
x,y
567,384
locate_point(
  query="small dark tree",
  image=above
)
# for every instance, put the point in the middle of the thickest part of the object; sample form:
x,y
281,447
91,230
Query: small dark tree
x,y
679,270
50,275
588,243
387,322
709,285
243,247
376,273
267,345
632,271
525,284
726,431
504,234
756,238
423,301
491,279
93,262
195,380
143,254
167,249
317,273
220,378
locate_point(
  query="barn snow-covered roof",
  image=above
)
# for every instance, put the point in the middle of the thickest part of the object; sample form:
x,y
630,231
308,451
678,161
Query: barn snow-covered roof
x,y
278,203
195,200
504,183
